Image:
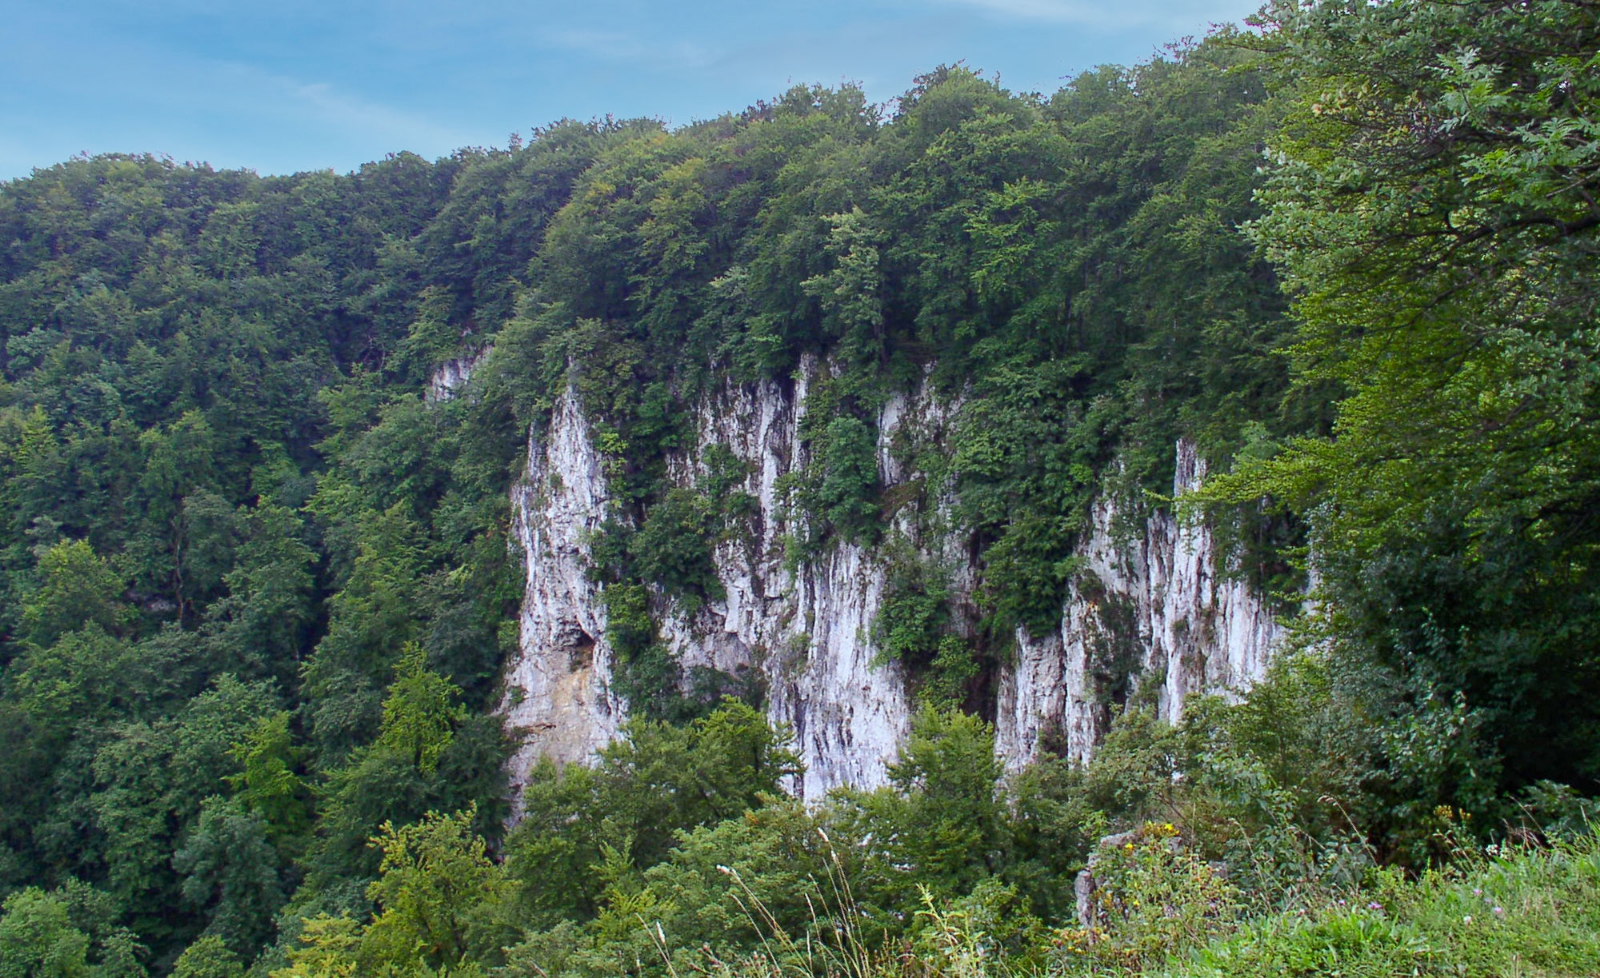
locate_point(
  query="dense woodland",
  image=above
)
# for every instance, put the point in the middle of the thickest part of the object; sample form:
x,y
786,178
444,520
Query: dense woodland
x,y
256,585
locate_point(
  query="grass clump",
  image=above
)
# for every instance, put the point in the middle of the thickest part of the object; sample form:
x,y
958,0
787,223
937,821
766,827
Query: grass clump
x,y
1166,913
1520,911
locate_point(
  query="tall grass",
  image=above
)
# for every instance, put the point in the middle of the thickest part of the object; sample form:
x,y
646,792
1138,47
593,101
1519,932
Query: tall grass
x,y
1505,912
832,946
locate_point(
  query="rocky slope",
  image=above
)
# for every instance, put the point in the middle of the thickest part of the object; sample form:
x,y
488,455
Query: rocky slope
x,y
1154,599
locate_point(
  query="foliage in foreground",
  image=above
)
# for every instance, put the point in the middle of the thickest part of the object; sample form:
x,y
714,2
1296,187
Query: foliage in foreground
x,y
864,884
1436,222
1510,911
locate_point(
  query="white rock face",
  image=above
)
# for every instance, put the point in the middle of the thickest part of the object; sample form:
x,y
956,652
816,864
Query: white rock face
x,y
1161,601
452,375
557,688
807,632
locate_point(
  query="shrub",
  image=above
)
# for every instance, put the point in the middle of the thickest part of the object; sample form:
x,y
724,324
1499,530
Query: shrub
x,y
1152,894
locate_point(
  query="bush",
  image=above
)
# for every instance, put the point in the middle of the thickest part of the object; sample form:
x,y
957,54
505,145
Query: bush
x,y
673,548
1152,894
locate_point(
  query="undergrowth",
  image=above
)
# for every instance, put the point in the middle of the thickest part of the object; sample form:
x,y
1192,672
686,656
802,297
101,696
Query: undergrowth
x,y
1162,910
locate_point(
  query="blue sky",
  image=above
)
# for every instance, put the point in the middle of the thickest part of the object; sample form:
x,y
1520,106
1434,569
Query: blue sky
x,y
286,85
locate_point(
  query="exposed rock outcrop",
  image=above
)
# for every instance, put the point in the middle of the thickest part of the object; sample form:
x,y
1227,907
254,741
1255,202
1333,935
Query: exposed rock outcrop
x,y
1152,601
450,377
558,686
1156,600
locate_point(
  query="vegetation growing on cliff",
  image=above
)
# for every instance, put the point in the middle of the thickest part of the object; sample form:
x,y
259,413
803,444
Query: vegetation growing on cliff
x,y
257,584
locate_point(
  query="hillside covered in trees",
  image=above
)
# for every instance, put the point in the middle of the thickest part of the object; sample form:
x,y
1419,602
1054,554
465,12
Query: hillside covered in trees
x,y
257,577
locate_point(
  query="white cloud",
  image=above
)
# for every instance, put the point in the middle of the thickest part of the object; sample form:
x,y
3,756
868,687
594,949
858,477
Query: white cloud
x,y
1172,14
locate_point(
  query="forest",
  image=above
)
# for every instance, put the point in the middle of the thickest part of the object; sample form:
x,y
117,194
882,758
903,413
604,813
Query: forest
x,y
258,581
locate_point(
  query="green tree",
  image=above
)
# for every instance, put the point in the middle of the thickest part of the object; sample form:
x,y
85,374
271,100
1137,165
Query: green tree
x,y
941,825
673,546
151,782
847,492
76,587
382,784
1431,206
68,932
850,295
263,621
437,894
267,783
775,855
38,940
420,714
208,957
327,949
232,874
374,614
647,786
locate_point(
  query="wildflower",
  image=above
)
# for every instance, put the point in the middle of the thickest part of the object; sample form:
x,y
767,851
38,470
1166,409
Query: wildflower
x,y
1374,905
1467,919
1498,911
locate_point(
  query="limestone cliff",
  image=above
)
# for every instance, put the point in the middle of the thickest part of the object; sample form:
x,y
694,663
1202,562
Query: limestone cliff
x,y
1153,598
